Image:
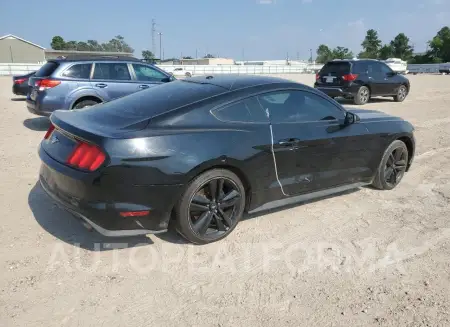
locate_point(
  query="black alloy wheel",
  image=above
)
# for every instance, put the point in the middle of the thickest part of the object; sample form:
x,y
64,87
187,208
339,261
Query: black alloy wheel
x,y
392,167
211,207
395,166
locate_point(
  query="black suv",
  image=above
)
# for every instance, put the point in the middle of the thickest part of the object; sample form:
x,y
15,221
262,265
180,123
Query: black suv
x,y
360,80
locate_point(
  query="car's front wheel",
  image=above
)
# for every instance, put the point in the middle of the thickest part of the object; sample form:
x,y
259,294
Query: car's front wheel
x,y
392,166
210,207
401,94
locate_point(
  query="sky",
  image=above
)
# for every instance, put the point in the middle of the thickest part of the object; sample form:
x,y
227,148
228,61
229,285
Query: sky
x,y
239,29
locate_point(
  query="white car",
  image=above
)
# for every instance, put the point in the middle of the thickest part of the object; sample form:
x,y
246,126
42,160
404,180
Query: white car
x,y
181,72
397,65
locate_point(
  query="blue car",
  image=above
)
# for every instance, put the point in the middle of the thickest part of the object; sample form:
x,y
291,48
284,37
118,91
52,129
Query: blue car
x,y
74,83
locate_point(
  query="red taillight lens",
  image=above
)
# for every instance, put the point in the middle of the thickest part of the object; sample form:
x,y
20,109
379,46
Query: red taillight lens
x,y
49,131
20,80
86,156
45,84
317,77
350,77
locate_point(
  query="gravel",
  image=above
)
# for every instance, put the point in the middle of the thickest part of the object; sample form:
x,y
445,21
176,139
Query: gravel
x,y
363,258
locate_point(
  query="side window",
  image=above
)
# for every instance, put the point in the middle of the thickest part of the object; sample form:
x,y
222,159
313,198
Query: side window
x,y
360,67
299,106
112,71
82,71
147,73
248,111
385,69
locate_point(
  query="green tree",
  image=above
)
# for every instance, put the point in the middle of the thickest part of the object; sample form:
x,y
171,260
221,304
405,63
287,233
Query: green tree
x,y
148,55
83,46
187,57
94,45
58,43
386,52
324,54
209,56
440,46
71,45
401,47
371,45
341,53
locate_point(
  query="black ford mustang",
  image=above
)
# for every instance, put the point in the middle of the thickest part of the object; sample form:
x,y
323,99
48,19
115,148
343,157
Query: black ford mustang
x,y
204,150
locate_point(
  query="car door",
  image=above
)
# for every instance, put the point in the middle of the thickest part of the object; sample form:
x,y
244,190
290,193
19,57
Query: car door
x,y
146,76
376,78
390,79
313,150
112,80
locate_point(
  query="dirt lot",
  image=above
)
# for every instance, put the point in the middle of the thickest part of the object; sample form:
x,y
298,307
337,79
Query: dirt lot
x,y
364,258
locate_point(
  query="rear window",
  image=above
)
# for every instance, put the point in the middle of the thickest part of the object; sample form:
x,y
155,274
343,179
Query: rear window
x,y
153,101
337,68
48,69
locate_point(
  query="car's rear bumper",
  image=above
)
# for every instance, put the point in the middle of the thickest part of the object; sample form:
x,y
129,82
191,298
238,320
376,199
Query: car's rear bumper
x,y
99,204
35,108
337,91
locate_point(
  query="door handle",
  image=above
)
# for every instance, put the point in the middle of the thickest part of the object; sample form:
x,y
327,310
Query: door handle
x,y
370,77
143,86
101,85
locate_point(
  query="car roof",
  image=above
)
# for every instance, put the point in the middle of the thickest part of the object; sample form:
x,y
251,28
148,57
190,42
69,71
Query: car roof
x,y
96,58
234,82
351,60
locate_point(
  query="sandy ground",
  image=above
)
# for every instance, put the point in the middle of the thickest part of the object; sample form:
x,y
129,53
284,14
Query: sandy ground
x,y
364,258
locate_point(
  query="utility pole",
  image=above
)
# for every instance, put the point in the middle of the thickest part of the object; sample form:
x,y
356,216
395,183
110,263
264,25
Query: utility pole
x,y
310,57
160,46
196,53
153,37
243,55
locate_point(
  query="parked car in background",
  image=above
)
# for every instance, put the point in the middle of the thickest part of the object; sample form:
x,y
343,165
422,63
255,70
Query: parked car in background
x,y
182,72
444,68
360,80
20,84
74,83
204,150
397,65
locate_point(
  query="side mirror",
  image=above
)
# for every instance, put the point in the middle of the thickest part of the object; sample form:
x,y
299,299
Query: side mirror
x,y
390,74
350,118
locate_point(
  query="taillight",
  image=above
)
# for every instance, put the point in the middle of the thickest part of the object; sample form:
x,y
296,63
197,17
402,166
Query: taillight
x,y
20,80
86,156
49,131
350,77
45,84
317,77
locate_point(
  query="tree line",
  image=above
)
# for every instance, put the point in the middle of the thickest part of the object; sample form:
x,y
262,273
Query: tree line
x,y
438,49
116,44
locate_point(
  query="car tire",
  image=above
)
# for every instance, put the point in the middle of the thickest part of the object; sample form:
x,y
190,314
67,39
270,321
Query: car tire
x,y
203,217
402,92
392,166
85,103
362,96
188,74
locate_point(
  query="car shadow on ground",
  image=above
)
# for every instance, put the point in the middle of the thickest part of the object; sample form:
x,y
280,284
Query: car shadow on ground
x,y
67,228
18,99
37,124
372,100
173,237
